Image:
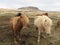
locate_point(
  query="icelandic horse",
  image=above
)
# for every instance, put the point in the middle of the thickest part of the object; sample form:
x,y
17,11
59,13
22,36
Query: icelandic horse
x,y
17,23
43,23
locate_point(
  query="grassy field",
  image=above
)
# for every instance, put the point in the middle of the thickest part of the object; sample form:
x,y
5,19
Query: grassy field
x,y
29,35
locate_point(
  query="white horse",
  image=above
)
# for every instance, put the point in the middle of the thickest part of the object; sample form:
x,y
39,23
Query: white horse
x,y
43,23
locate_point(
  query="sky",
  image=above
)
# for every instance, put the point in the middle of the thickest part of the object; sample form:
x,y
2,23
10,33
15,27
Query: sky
x,y
46,5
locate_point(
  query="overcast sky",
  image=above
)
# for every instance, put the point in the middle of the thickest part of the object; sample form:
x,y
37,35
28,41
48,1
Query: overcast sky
x,y
47,5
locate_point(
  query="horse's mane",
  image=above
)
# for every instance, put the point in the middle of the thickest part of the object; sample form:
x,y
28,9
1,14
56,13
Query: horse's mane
x,y
45,14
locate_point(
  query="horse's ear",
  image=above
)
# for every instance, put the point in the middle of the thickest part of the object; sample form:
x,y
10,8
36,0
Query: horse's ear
x,y
46,14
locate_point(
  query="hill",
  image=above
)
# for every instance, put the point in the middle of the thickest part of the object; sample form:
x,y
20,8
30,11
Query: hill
x,y
30,8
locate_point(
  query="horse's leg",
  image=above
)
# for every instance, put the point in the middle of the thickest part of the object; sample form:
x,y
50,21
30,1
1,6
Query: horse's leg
x,y
38,37
14,36
20,32
19,35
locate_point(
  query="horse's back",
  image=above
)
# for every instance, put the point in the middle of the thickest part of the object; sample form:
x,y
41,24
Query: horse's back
x,y
24,19
18,21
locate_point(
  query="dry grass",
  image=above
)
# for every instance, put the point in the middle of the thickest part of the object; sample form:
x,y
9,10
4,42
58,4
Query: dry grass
x,y
29,35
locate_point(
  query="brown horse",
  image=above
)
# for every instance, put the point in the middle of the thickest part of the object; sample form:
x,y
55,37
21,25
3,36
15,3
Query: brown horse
x,y
17,23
